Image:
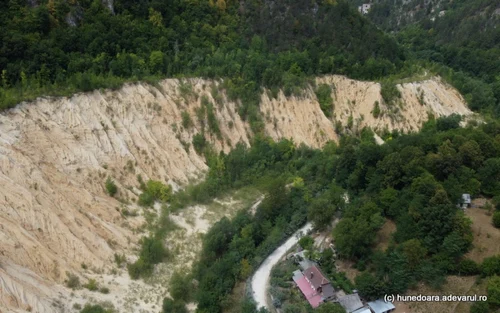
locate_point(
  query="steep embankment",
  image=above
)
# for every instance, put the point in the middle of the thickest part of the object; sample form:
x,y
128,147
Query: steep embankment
x,y
55,155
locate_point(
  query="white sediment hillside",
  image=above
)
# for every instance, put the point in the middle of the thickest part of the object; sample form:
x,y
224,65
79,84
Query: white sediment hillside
x,y
56,153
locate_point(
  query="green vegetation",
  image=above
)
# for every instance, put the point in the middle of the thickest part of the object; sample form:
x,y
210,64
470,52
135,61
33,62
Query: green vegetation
x,y
152,252
187,122
88,308
376,110
154,191
324,95
390,92
72,281
111,187
42,46
461,43
92,285
496,219
199,143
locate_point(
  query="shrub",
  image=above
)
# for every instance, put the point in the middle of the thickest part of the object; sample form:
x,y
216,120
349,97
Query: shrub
x,y
376,110
324,95
91,285
111,187
72,281
120,259
171,306
389,92
468,267
491,266
496,219
94,309
187,122
199,143
104,290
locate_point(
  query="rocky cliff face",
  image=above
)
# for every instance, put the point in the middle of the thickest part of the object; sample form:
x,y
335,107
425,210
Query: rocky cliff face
x,y
55,155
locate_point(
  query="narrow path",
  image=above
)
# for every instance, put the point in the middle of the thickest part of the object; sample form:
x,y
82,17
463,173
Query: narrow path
x,y
260,279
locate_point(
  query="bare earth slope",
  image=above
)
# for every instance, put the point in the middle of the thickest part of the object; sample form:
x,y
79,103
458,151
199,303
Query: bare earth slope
x,y
55,155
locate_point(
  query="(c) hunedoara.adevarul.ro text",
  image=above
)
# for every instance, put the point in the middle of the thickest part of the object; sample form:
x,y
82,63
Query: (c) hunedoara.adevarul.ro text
x,y
435,298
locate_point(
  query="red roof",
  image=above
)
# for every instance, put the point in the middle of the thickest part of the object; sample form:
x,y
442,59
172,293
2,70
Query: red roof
x,y
311,295
315,277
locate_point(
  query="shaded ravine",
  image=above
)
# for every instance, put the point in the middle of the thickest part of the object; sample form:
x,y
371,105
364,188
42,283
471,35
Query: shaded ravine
x,y
260,279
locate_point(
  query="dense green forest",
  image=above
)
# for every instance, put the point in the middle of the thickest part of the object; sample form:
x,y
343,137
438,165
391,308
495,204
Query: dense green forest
x,y
58,47
416,180
462,35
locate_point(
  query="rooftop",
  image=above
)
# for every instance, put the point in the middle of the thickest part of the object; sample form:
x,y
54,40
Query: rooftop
x,y
351,302
315,277
380,306
311,295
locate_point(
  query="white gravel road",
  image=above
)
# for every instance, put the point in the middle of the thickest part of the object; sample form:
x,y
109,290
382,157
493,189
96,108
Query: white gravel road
x,y
260,279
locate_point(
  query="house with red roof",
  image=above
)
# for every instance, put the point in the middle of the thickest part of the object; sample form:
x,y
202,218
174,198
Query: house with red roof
x,y
314,286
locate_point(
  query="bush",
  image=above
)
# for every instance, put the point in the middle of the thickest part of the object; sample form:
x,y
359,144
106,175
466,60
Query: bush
x,y
72,281
480,307
199,143
389,92
145,199
448,122
187,122
171,306
152,252
104,290
91,285
496,219
111,187
324,95
468,267
180,288
491,266
376,110
94,309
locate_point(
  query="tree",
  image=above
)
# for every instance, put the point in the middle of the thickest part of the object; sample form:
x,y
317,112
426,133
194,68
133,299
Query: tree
x,y
370,286
111,187
414,251
180,287
156,62
171,306
306,242
329,307
480,307
496,219
493,290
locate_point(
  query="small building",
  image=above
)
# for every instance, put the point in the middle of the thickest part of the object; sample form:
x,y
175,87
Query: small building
x,y
351,303
314,286
363,310
380,306
364,8
466,201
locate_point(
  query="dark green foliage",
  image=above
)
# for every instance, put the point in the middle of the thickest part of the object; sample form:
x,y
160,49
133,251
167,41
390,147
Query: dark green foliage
x,y
199,143
491,266
376,110
480,307
496,219
468,267
493,290
329,307
306,242
448,122
324,95
187,122
88,308
43,55
389,91
154,191
180,287
111,187
171,306
152,252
